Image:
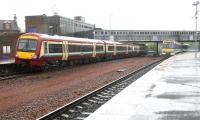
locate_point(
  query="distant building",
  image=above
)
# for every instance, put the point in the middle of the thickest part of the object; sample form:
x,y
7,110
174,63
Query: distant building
x,y
144,35
9,26
137,35
56,24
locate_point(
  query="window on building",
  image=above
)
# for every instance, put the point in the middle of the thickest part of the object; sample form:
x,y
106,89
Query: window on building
x,y
6,49
7,26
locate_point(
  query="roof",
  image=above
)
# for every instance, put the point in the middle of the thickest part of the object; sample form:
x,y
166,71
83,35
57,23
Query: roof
x,y
111,42
14,26
57,37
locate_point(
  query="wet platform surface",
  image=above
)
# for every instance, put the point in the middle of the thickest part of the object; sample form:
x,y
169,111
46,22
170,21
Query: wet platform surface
x,y
7,61
170,91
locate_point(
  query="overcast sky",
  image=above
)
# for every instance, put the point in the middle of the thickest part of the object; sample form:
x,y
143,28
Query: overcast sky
x,y
123,14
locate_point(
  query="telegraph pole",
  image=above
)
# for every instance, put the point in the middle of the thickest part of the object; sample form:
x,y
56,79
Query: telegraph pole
x,y
196,17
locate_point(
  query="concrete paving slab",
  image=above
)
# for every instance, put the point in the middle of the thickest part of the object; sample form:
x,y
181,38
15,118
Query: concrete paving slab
x,y
170,91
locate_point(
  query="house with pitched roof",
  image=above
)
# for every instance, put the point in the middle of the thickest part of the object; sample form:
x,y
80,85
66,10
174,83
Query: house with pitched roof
x,y
9,33
9,26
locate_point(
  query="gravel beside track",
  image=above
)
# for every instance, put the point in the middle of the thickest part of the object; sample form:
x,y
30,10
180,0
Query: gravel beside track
x,y
33,96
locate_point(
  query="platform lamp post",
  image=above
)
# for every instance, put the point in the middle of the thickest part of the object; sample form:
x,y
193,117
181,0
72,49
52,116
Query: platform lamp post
x,y
196,17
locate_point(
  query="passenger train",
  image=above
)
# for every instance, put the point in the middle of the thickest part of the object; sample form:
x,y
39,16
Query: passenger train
x,y
172,47
37,50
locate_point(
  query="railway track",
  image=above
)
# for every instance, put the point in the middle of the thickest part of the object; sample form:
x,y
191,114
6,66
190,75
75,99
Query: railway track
x,y
8,71
11,75
86,105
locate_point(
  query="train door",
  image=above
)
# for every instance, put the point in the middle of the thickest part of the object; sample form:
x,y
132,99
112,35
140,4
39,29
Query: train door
x,y
44,49
126,49
115,49
65,50
94,50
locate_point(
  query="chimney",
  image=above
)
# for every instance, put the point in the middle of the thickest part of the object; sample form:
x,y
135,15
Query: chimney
x,y
15,17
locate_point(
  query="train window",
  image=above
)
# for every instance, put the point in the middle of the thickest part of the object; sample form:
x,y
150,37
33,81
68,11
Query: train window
x,y
32,45
121,48
136,48
74,48
99,48
55,48
130,48
45,48
86,48
168,45
27,45
110,48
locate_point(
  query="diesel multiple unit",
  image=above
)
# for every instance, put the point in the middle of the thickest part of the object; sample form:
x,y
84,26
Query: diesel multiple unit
x,y
172,47
38,50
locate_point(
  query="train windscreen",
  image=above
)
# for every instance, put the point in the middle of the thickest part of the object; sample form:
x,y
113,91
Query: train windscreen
x,y
168,45
27,45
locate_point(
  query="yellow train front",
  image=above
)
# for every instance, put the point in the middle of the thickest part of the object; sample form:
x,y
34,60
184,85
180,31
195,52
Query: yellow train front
x,y
172,47
28,50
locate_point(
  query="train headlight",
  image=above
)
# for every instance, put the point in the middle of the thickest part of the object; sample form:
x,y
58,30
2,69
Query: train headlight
x,y
34,57
16,55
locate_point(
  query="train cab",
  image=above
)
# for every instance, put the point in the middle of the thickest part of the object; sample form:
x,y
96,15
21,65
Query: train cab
x,y
27,49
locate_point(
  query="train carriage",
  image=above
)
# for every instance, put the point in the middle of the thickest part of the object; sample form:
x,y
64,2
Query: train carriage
x,y
35,49
39,49
172,47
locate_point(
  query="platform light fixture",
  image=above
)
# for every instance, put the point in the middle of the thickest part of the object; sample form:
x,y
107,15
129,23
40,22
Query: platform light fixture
x,y
196,17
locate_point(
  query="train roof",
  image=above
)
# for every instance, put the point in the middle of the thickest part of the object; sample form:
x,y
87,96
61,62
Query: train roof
x,y
57,37
111,42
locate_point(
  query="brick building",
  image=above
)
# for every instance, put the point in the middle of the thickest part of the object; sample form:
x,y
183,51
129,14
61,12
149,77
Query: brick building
x,y
9,32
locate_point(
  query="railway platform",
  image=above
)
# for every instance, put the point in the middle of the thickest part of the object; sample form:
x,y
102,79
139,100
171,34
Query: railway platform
x,y
7,61
170,91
